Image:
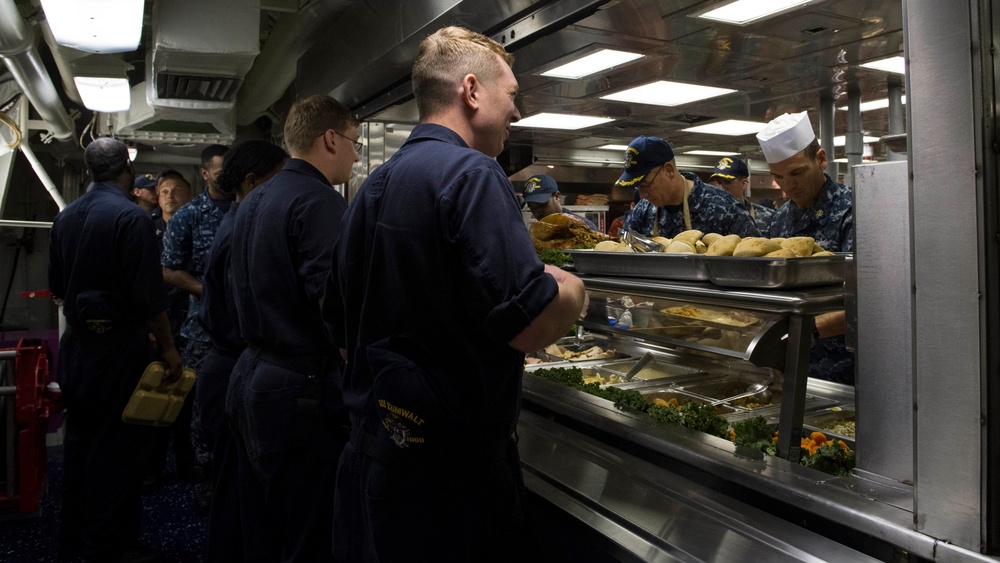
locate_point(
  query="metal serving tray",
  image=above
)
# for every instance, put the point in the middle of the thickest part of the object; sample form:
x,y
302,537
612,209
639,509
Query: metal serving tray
x,y
823,420
683,267
776,273
651,369
668,393
723,389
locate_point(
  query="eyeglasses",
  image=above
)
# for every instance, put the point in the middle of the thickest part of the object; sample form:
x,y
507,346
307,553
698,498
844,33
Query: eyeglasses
x,y
358,145
649,181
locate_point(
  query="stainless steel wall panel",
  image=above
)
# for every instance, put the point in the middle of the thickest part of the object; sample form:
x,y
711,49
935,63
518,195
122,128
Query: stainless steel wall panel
x,y
885,315
944,119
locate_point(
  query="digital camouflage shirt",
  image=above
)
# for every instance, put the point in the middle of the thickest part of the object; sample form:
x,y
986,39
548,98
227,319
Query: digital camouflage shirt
x,y
712,209
186,245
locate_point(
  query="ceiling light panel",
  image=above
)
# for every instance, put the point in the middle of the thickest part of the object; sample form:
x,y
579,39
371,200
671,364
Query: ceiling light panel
x,y
874,104
105,95
592,63
665,93
892,64
561,121
731,127
711,153
620,148
95,26
742,12
841,141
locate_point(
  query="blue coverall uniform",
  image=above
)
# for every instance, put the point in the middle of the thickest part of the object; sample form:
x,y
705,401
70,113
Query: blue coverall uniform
x,y
103,263
434,275
712,210
283,398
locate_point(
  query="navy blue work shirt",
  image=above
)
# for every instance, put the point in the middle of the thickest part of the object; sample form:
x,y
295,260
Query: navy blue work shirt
x,y
105,243
830,221
433,254
217,312
282,252
713,210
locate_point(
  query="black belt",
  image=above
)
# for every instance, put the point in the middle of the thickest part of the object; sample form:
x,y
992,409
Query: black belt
x,y
313,364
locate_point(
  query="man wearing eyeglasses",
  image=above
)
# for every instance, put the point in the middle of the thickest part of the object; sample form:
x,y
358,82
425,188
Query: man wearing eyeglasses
x,y
673,202
283,399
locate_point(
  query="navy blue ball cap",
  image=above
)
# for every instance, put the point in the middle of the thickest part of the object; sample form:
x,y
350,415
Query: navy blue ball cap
x,y
643,155
539,188
731,168
145,181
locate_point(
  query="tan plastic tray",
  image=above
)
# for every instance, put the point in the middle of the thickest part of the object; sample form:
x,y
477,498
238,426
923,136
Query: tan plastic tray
x,y
154,403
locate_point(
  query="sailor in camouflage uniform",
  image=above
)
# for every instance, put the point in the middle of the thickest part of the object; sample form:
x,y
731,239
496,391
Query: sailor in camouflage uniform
x,y
732,175
820,208
672,201
186,246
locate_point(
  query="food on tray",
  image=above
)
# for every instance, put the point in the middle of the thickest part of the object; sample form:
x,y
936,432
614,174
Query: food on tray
x,y
671,403
755,246
679,247
559,230
602,380
531,360
723,246
801,246
715,244
781,253
731,318
592,353
840,427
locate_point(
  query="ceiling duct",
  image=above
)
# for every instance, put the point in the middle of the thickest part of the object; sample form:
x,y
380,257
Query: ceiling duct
x,y
194,70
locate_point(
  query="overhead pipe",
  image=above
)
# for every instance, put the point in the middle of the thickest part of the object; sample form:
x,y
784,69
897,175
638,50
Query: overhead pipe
x,y
272,73
17,49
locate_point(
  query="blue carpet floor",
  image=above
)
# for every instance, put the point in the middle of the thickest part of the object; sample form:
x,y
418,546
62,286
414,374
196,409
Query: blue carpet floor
x,y
169,523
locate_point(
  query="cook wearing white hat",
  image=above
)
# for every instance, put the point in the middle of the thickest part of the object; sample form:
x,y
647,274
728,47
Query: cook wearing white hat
x,y
820,208
794,156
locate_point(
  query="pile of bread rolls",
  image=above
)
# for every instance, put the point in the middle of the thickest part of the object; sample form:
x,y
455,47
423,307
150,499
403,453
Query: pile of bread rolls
x,y
714,244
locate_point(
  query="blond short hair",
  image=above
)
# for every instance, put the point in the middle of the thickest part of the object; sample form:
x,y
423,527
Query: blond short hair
x,y
445,57
311,117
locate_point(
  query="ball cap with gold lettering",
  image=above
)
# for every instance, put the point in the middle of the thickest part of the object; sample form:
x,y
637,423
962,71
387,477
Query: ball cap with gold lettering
x,y
785,136
730,168
643,155
539,188
144,181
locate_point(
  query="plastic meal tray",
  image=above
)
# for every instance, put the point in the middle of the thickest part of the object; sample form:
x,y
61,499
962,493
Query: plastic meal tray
x,y
726,271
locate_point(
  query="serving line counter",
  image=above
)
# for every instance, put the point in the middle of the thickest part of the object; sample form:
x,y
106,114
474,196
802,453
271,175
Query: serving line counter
x,y
655,491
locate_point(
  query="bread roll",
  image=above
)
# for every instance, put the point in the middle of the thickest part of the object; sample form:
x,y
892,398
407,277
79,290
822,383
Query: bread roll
x,y
679,247
824,253
801,246
710,238
606,246
782,253
755,246
689,236
622,247
700,247
664,241
817,248
723,246
779,240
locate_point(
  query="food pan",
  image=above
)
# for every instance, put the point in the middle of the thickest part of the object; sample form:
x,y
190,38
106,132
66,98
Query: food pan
x,y
827,421
667,394
650,368
621,367
775,273
683,267
730,387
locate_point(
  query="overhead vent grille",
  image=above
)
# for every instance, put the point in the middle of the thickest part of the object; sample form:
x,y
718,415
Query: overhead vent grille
x,y
816,30
202,88
688,118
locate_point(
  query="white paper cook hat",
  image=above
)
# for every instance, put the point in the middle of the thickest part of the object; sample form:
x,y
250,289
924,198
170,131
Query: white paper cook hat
x,y
785,136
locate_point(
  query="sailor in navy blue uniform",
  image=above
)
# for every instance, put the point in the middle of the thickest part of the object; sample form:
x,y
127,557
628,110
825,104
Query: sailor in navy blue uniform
x,y
436,295
732,175
283,398
246,165
672,201
541,193
820,208
104,265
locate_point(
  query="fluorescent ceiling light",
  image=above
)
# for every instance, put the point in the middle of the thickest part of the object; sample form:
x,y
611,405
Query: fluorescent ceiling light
x,y
561,121
105,95
892,64
840,160
132,153
874,104
664,93
743,12
711,153
732,127
594,62
95,26
841,140
613,147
